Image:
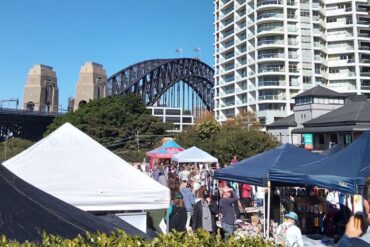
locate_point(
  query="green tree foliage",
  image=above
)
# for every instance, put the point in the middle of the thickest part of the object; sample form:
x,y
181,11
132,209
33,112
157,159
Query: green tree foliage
x,y
13,147
120,123
226,141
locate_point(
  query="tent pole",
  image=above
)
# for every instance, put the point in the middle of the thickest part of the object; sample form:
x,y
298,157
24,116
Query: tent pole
x,y
268,209
264,215
168,222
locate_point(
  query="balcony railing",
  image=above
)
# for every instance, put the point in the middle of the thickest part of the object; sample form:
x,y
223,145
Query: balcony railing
x,y
270,55
270,42
271,97
271,69
270,28
268,2
366,74
269,15
270,83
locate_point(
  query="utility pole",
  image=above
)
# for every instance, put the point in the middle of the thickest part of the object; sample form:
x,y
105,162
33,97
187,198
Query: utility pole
x,y
137,140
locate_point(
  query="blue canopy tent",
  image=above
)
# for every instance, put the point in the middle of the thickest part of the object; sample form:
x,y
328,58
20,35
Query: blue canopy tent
x,y
255,170
343,171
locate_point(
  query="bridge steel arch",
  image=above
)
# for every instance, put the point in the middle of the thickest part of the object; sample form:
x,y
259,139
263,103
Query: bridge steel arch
x,y
152,78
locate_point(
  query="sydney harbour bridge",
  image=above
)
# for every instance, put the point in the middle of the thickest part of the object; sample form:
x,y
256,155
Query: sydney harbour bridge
x,y
186,83
183,82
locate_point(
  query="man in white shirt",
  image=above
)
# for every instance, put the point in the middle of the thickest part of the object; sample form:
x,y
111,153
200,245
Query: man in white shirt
x,y
288,233
184,174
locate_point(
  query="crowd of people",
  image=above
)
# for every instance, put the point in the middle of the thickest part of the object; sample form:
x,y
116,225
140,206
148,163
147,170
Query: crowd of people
x,y
199,201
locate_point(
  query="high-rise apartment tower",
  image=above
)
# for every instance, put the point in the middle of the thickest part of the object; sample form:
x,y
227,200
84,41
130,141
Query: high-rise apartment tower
x,y
267,51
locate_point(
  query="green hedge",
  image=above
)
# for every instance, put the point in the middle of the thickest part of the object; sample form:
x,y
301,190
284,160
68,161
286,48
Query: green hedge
x,y
121,239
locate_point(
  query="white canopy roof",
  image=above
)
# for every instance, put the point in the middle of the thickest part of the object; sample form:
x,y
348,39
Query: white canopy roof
x,y
193,155
73,167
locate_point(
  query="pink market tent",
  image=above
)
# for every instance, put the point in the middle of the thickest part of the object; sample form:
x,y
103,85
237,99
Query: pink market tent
x,y
166,151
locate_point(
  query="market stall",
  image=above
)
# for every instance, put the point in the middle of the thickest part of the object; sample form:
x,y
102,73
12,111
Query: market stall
x,y
255,170
73,167
343,171
193,155
164,152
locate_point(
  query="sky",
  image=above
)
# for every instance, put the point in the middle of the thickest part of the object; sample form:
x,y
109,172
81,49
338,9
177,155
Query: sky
x,y
64,34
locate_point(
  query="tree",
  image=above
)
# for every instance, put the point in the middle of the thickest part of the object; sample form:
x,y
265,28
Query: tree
x,y
121,123
12,147
245,120
227,140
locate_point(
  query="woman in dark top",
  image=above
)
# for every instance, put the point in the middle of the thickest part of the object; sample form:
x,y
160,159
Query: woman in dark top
x,y
178,215
204,214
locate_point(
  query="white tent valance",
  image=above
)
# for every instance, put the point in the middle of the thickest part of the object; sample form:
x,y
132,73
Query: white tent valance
x,y
73,167
194,155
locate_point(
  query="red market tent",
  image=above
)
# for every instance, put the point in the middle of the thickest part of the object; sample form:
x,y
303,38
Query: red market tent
x,y
166,151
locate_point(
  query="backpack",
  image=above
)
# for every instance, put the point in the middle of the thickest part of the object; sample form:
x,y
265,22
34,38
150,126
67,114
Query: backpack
x,y
281,234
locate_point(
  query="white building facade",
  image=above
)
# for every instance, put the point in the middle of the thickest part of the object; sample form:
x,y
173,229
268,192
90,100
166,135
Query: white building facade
x,y
267,51
179,119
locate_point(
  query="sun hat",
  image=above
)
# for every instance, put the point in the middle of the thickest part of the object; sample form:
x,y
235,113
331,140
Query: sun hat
x,y
178,196
292,215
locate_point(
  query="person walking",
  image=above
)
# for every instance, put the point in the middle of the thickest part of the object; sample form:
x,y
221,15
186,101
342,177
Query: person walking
x,y
189,201
162,179
229,198
178,216
204,214
288,233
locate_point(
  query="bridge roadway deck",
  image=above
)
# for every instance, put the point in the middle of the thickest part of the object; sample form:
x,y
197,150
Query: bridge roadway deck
x,y
29,125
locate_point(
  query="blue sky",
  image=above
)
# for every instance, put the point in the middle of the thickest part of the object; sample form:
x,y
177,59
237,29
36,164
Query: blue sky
x,y
65,34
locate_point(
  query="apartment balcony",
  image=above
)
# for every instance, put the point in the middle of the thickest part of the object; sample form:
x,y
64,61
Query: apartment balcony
x,y
365,73
228,92
342,36
267,16
341,76
228,56
241,89
343,87
367,87
294,84
271,97
365,60
337,11
292,29
264,43
292,70
263,113
271,84
291,3
271,69
229,79
228,33
263,3
341,63
242,102
271,56
270,29
336,24
228,44
230,67
340,49
292,56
